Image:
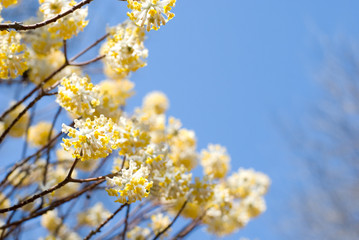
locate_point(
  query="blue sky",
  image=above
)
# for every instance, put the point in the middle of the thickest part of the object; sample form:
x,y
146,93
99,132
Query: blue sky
x,y
231,69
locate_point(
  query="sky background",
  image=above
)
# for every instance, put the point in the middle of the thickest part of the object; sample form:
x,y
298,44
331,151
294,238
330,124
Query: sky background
x,y
234,71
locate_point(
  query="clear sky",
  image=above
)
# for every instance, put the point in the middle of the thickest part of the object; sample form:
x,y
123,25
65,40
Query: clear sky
x,y
231,69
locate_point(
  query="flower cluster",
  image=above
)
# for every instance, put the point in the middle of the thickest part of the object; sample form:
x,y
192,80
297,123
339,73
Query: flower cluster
x,y
94,138
13,55
78,95
124,49
40,134
131,186
160,222
54,225
67,26
19,128
93,216
151,13
215,161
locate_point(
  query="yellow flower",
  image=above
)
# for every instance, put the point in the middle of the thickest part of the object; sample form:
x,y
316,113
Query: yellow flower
x,y
156,102
39,134
151,13
13,55
125,51
215,161
20,127
67,26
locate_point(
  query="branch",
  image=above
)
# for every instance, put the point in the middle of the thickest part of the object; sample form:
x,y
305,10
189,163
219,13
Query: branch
x,y
98,229
43,193
126,222
53,205
18,26
173,221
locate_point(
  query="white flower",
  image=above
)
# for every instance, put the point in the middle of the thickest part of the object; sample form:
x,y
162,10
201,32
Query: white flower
x,y
138,233
125,51
78,95
131,186
151,13
94,216
94,138
67,26
159,223
215,161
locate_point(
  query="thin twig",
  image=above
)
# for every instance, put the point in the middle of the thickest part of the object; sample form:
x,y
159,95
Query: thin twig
x,y
53,205
126,222
89,47
17,165
57,114
98,229
19,26
173,221
43,193
87,62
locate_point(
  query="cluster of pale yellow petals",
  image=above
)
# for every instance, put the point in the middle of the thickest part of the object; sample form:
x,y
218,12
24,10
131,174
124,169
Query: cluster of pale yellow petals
x,y
133,136
151,13
125,51
201,191
93,216
20,127
91,139
156,102
246,182
183,149
172,183
57,230
237,199
215,161
159,222
131,185
119,91
67,26
42,41
114,94
40,134
41,66
138,233
78,95
13,55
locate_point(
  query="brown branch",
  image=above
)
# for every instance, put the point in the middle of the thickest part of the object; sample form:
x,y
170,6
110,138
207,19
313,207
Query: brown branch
x,y
17,165
92,179
173,221
98,229
57,114
65,51
13,107
190,227
126,222
43,193
89,47
22,113
19,26
53,205
87,62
